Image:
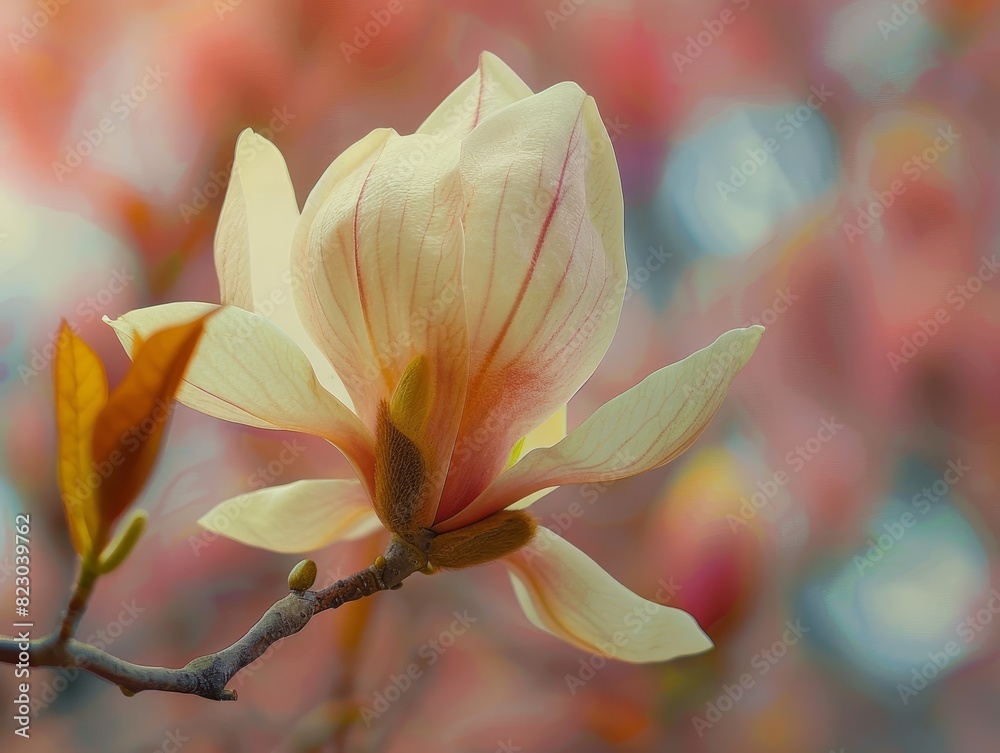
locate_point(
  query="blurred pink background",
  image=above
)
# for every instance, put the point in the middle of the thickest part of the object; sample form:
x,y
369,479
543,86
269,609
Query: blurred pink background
x,y
828,169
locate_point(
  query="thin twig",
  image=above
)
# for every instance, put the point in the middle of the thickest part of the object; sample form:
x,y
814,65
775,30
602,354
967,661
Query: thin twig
x,y
86,577
207,676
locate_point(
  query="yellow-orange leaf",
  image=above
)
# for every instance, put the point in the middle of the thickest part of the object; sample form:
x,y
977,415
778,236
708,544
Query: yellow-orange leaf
x,y
128,431
81,389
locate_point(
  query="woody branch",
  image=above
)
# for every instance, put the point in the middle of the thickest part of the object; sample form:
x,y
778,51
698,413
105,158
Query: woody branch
x,y
207,676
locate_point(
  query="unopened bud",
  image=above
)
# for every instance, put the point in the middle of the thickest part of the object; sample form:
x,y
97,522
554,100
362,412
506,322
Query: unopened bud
x,y
302,576
124,542
412,397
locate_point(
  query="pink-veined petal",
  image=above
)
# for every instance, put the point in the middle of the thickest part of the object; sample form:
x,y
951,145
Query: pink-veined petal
x,y
328,301
297,517
641,429
247,370
490,89
388,244
567,594
544,273
253,243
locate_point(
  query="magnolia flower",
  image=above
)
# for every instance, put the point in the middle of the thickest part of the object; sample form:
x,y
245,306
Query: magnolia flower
x,y
430,311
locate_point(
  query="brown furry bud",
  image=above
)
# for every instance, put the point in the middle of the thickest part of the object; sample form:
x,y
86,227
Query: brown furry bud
x,y
491,538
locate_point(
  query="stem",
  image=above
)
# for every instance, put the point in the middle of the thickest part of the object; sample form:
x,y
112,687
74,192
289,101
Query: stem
x,y
208,675
85,579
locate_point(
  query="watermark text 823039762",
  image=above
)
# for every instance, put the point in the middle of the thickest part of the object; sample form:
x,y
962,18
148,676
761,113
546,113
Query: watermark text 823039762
x,y
22,624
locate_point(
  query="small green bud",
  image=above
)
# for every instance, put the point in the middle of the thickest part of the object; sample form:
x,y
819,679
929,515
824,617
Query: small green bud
x,y
128,534
302,576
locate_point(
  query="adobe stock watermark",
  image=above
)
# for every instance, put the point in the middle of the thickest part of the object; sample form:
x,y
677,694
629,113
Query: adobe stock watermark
x,y
225,7
956,299
173,741
901,13
783,300
218,180
786,126
762,662
968,629
102,639
713,29
562,12
561,522
921,676
130,441
795,461
32,23
6,570
123,106
633,622
914,169
245,674
89,309
507,746
458,114
472,443
722,363
371,28
638,277
263,476
429,652
264,308
922,502
420,320
540,203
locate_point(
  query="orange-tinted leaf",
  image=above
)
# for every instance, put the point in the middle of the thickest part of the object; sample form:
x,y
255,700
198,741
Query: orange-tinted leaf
x,y
81,389
128,431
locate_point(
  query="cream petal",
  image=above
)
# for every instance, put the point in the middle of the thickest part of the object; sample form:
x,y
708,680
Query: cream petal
x,y
490,89
546,434
641,429
544,274
388,245
253,239
246,369
326,293
531,498
550,431
232,241
297,517
253,243
567,594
